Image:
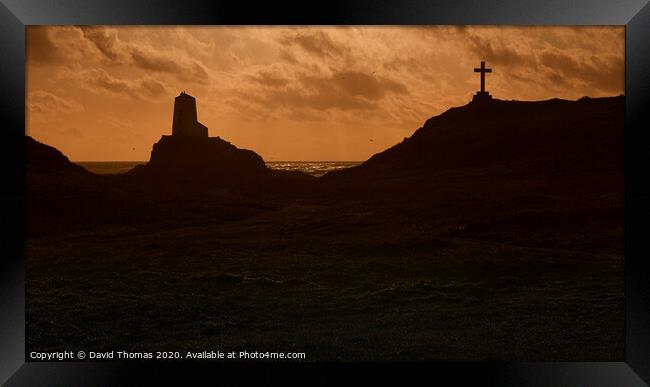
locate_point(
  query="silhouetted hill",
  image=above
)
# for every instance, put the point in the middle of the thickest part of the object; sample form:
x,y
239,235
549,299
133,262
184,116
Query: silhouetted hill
x,y
200,157
545,137
44,159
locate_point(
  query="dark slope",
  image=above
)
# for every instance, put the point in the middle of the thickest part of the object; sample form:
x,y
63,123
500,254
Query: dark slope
x,y
58,191
554,136
44,159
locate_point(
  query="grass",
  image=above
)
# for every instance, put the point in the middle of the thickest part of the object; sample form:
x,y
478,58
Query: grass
x,y
476,277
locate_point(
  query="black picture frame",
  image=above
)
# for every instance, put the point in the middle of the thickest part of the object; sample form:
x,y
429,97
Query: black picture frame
x,y
15,15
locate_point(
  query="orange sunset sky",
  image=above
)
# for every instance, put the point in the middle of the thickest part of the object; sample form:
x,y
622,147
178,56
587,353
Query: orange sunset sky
x,y
294,93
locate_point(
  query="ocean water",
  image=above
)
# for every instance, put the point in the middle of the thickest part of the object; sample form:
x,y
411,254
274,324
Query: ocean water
x,y
109,167
315,168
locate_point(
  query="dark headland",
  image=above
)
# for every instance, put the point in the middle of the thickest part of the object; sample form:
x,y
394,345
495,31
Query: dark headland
x,y
495,231
545,137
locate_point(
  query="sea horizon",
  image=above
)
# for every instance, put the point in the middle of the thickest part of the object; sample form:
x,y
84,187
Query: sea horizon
x,y
314,168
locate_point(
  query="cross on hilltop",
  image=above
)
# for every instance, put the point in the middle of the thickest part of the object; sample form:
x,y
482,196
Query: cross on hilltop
x,y
482,95
482,70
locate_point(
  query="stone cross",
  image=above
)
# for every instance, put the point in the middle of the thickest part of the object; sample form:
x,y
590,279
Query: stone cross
x,y
482,70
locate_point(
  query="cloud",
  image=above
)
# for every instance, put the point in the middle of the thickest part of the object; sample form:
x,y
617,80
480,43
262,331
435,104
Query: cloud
x,y
185,69
104,40
103,47
99,80
45,102
56,47
342,90
317,43
40,47
561,60
368,86
269,78
601,72
498,53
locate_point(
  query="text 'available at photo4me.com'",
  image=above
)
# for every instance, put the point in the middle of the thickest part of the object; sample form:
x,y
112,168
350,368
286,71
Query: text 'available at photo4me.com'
x,y
165,355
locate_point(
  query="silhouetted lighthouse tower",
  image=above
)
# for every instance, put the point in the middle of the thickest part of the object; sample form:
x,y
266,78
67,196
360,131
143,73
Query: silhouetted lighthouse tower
x,y
185,123
482,95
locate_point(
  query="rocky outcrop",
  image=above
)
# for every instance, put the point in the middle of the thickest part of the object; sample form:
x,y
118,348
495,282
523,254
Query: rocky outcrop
x,y
196,157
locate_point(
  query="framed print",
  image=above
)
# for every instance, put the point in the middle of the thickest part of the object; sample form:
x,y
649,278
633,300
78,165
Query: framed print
x,y
325,193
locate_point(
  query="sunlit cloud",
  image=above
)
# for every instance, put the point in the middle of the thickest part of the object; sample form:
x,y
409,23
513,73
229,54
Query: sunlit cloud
x,y
45,102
